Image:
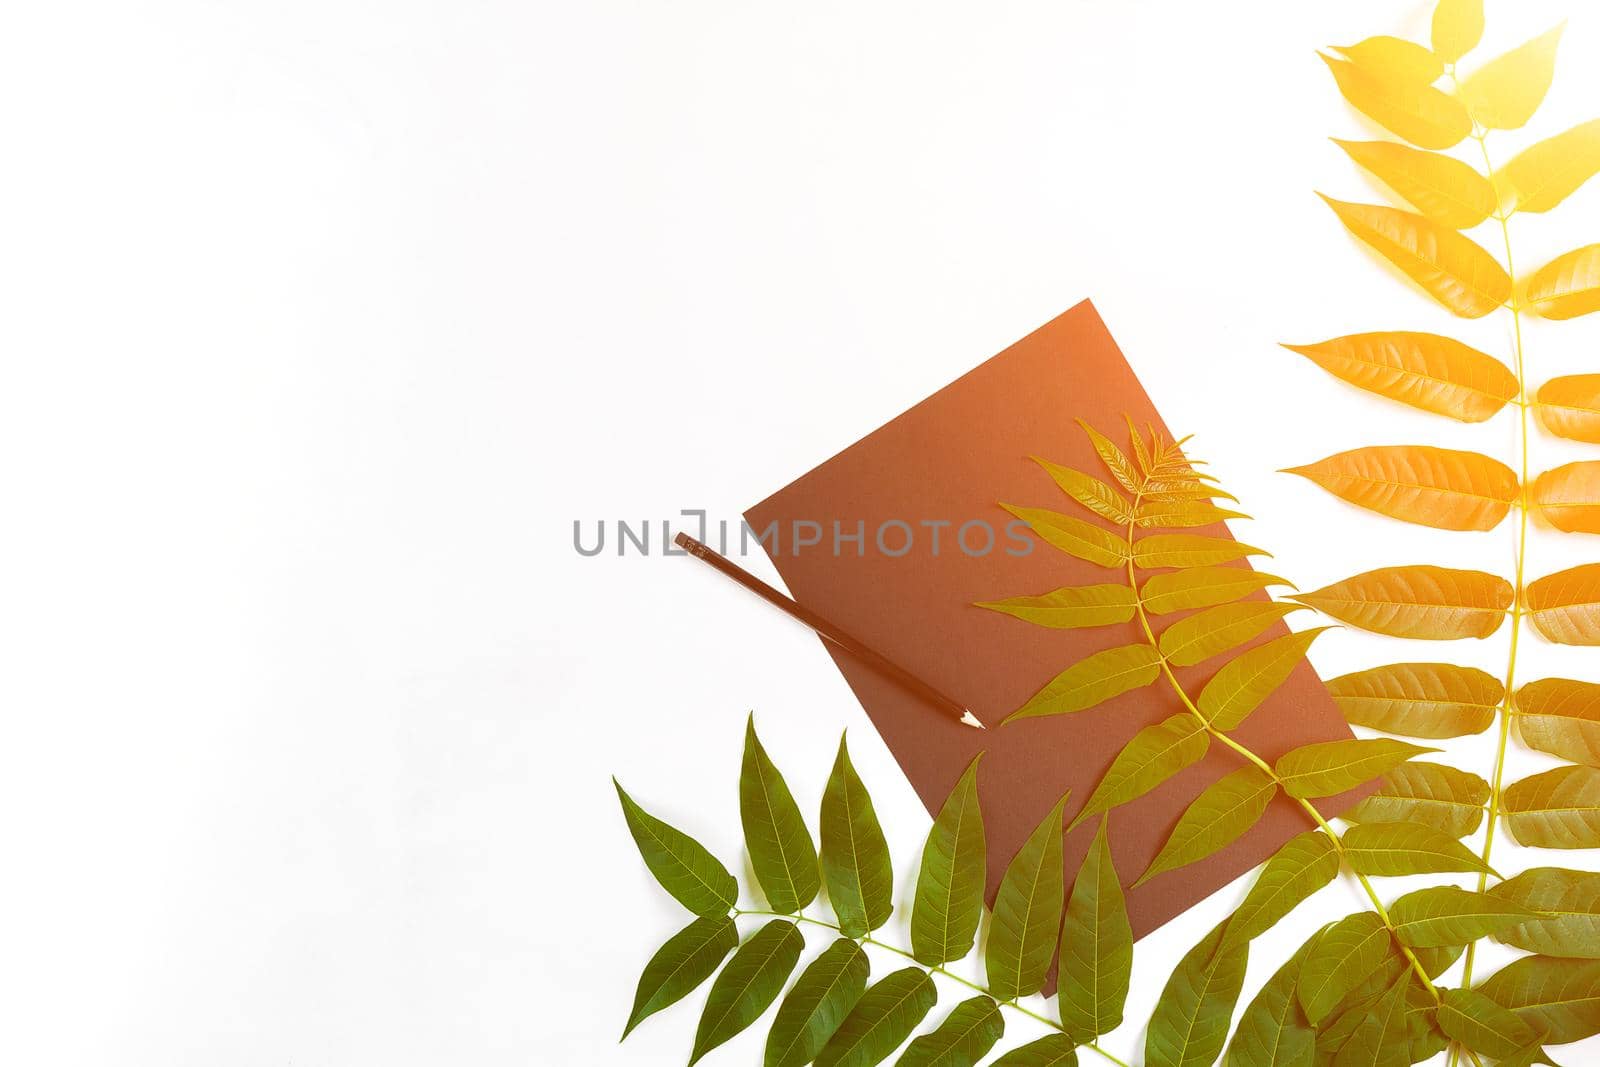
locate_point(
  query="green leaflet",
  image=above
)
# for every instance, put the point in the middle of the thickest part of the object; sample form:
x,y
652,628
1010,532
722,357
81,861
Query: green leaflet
x,y
1445,915
1217,818
1202,587
1422,1026
1189,550
1390,849
1381,1038
1073,536
1569,903
1027,913
1090,491
688,958
1424,700
1093,680
1562,717
1558,998
1272,1032
1330,767
1056,1050
1427,794
965,1036
949,898
781,852
1196,638
1245,681
1071,607
1301,867
1190,1022
817,1005
680,863
1556,809
1096,948
1334,1032
855,857
748,985
1343,957
1483,1026
882,1019
1155,754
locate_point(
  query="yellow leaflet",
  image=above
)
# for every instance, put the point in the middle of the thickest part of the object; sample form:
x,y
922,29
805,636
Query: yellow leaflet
x,y
1446,190
1569,497
1424,602
1181,513
1452,269
1215,630
1504,93
1420,114
1245,681
1394,58
1070,607
1114,458
1565,606
1089,491
1543,175
1437,487
1093,680
1567,286
1202,587
1569,407
1457,28
1217,818
1562,717
1425,370
1074,536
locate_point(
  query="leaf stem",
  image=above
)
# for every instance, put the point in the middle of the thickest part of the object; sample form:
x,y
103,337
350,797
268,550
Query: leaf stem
x,y
1502,744
939,970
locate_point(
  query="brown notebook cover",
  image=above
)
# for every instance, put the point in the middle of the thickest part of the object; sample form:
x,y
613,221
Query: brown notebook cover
x,y
954,457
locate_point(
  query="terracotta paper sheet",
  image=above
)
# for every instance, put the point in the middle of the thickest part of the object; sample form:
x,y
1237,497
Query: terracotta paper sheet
x,y
954,457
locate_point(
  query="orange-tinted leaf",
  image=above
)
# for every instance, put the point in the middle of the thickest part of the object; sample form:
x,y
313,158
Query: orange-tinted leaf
x,y
1430,700
1093,680
1437,487
1420,114
1457,28
1567,286
1565,606
1395,58
1561,716
1504,93
1425,370
1569,497
1071,607
1074,536
1569,407
1446,190
1424,602
1541,176
1452,269
1089,491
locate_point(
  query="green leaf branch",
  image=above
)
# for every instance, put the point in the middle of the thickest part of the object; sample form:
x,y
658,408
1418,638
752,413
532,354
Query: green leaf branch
x,y
830,1014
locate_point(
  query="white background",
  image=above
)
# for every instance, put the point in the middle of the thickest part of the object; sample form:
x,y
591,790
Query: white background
x,y
323,323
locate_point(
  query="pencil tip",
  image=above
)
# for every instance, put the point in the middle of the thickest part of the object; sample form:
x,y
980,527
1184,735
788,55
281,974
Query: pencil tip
x,y
972,720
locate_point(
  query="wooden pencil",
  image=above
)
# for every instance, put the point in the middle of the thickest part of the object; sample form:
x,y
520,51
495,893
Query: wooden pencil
x,y
851,644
